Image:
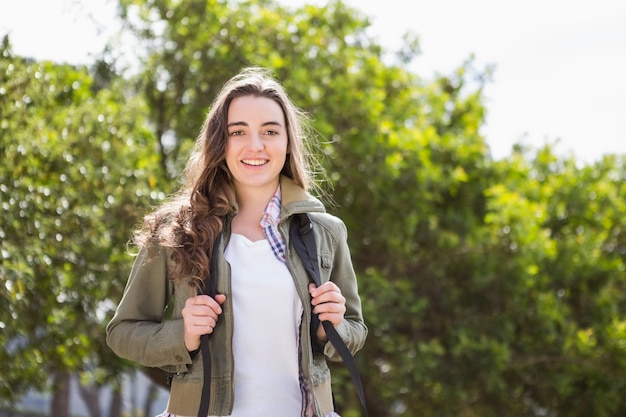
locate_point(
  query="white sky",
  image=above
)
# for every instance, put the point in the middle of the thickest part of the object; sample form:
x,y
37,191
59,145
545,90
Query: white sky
x,y
560,64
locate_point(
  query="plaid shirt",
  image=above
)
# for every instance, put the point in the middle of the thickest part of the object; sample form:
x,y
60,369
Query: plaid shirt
x,y
269,223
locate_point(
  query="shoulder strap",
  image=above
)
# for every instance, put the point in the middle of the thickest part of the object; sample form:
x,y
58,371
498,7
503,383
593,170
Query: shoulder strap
x,y
209,288
303,241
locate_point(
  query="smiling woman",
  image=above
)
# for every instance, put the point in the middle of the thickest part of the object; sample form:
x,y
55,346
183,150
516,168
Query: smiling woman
x,y
219,255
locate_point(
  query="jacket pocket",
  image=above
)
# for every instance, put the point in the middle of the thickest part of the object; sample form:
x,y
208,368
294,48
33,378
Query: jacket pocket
x,y
326,266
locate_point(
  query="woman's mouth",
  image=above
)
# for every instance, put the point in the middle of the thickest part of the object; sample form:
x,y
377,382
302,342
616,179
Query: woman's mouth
x,y
255,162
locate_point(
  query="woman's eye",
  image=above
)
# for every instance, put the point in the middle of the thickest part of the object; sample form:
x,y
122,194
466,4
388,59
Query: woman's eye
x,y
236,133
271,132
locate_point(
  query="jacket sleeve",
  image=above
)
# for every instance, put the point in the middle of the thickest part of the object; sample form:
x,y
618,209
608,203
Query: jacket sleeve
x,y
137,330
352,329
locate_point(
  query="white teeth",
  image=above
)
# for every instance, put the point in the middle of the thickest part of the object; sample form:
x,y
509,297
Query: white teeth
x,y
255,162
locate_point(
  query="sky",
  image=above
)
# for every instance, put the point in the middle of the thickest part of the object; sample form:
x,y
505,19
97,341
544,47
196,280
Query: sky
x,y
560,65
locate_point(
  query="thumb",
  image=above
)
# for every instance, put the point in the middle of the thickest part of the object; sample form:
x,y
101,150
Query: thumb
x,y
220,298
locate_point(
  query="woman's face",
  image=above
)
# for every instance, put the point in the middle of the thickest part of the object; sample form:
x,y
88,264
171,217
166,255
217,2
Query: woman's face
x,y
257,143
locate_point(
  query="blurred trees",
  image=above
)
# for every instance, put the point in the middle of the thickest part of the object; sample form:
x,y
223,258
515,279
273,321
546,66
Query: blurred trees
x,y
490,287
78,169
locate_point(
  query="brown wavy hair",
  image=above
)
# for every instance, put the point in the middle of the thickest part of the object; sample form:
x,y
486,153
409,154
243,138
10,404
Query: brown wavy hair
x,y
190,221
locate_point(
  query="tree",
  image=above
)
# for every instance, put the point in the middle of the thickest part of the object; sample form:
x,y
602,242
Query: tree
x,y
570,358
79,169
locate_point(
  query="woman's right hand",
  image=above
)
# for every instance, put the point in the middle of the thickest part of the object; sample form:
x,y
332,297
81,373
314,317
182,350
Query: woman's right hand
x,y
200,316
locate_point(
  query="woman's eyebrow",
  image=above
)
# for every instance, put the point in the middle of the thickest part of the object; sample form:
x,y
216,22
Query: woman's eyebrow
x,y
237,124
272,123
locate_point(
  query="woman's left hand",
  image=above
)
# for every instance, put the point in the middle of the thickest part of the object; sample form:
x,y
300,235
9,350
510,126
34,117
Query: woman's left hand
x,y
328,303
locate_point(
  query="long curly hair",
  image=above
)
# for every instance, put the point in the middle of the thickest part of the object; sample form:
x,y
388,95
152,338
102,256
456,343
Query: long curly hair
x,y
190,221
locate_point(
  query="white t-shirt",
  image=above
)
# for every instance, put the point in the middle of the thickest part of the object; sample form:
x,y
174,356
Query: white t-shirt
x,y
267,312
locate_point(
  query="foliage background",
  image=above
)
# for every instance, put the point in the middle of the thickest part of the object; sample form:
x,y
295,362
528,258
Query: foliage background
x,y
491,287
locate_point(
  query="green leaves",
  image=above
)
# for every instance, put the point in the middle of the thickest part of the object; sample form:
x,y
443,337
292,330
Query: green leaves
x,y
77,165
490,287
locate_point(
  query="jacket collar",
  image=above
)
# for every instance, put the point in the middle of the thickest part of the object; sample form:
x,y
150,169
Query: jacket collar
x,y
296,200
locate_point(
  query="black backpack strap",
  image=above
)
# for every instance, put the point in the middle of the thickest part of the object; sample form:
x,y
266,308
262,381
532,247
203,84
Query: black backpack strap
x,y
209,288
303,240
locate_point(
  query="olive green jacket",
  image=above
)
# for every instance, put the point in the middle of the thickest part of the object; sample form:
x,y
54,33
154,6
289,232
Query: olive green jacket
x,y
141,330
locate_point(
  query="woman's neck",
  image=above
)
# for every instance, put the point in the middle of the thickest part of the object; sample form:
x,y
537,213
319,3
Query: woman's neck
x,y
251,204
254,199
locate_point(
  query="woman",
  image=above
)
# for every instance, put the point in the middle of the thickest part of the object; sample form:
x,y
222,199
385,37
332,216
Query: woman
x,y
245,179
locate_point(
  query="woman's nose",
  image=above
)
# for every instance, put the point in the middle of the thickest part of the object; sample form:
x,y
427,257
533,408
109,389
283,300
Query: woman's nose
x,y
255,142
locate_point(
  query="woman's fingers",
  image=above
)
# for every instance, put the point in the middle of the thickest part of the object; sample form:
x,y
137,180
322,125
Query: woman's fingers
x,y
328,302
200,316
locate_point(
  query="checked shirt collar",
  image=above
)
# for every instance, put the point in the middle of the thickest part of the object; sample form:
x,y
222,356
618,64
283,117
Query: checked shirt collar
x,y
269,223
